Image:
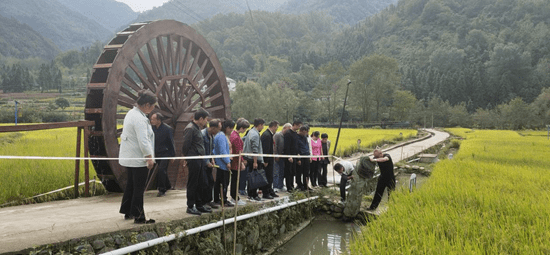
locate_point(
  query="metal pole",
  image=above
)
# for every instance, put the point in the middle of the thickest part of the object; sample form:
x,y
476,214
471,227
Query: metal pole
x,y
341,119
16,112
237,205
77,163
86,163
548,136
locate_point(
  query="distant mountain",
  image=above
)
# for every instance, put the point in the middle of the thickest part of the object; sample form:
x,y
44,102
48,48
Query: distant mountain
x,y
109,13
189,11
66,28
344,11
21,41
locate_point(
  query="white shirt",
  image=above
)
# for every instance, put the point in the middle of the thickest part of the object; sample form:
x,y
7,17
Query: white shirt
x,y
348,167
137,139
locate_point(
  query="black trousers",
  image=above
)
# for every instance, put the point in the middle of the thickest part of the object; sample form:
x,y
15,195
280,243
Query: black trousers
x,y
290,172
322,178
254,192
194,181
343,184
385,181
269,174
314,173
163,183
302,172
132,201
222,179
208,187
234,181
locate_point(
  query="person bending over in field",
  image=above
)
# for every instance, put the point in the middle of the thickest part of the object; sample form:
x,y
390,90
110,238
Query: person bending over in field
x,y
345,169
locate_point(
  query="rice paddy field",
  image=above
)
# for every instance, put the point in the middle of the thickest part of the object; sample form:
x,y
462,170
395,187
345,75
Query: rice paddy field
x,y
25,178
492,198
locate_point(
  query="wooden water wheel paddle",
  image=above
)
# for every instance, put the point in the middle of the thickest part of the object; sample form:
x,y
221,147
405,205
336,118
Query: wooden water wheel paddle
x,y
166,57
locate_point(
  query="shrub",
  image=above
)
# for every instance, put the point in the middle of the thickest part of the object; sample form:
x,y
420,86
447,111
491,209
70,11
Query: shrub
x,y
455,144
54,117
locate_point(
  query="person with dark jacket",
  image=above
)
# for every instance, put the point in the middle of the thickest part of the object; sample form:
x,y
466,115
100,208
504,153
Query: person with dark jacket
x,y
164,147
303,167
193,145
267,146
279,167
291,148
386,179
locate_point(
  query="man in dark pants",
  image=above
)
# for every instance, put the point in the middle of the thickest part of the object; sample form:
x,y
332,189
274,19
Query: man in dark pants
x,y
253,144
303,167
291,148
208,135
386,179
345,169
236,148
267,146
164,147
193,145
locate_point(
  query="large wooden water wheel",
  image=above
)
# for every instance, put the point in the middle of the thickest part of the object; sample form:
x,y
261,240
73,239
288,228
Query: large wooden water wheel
x,y
166,57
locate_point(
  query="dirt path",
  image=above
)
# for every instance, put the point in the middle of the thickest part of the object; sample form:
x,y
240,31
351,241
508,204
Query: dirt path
x,y
33,225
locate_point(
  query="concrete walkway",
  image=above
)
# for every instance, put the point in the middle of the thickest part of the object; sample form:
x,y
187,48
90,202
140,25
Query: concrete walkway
x,y
27,226
398,152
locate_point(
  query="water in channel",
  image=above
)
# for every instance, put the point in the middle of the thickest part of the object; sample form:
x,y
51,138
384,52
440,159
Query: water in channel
x,y
326,235
322,236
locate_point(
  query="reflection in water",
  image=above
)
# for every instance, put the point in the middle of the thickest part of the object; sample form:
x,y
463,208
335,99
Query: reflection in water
x,y
321,237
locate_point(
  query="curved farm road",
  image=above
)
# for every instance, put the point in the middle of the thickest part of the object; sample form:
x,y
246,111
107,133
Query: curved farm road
x,y
28,226
401,151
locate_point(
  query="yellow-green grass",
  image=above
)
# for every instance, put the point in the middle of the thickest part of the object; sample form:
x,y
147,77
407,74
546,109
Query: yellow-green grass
x,y
347,144
369,137
26,178
492,198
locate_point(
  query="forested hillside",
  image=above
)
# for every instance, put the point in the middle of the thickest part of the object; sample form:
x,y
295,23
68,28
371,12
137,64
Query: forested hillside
x,y
66,28
108,13
21,41
188,11
244,42
480,52
343,11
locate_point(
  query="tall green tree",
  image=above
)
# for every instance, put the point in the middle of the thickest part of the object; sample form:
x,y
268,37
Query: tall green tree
x,y
375,78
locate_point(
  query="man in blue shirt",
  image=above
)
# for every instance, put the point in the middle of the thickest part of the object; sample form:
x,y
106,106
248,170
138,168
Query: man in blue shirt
x,y
164,147
208,134
222,147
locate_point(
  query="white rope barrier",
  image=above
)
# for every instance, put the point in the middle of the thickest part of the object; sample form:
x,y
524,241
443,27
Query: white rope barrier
x,y
165,158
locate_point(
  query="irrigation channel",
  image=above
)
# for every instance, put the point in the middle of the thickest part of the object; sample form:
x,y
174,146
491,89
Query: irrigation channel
x,y
326,235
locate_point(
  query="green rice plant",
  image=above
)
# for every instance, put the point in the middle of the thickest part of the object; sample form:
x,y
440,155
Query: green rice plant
x,y
21,178
492,198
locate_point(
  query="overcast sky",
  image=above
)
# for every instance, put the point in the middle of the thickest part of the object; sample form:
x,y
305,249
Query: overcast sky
x,y
143,5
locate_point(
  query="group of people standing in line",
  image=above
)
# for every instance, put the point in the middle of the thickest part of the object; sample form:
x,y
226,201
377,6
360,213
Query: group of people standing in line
x,y
224,137
144,141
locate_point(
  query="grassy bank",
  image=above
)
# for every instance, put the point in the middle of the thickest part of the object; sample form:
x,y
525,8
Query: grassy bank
x,y
492,198
25,178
